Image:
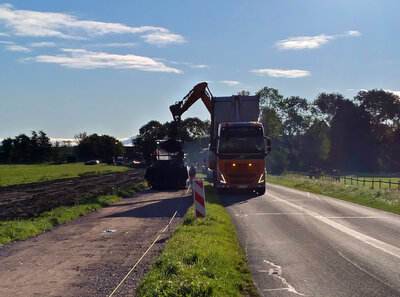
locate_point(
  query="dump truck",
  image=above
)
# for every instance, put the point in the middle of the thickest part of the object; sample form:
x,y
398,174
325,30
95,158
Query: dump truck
x,y
237,142
167,170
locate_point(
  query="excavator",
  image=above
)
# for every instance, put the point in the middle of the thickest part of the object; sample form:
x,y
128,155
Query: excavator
x,y
237,140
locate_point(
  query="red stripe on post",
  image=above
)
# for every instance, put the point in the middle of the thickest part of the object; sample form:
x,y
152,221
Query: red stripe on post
x,y
199,214
199,183
199,199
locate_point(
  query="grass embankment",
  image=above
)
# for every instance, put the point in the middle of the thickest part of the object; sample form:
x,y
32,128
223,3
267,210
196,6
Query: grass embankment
x,y
21,229
23,174
384,199
202,258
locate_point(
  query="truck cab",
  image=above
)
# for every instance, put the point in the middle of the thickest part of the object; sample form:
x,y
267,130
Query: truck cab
x,y
241,151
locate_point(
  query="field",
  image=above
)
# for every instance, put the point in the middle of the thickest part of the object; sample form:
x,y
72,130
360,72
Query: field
x,y
30,200
23,174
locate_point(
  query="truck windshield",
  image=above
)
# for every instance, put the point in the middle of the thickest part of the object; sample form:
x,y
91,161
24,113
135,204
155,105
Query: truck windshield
x,y
241,140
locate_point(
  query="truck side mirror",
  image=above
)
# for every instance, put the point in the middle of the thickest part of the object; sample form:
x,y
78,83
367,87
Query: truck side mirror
x,y
268,144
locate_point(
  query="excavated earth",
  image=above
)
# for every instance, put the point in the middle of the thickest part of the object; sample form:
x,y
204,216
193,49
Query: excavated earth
x,y
27,200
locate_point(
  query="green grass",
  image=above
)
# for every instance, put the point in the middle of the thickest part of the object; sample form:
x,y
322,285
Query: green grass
x,y
21,229
384,199
22,174
202,258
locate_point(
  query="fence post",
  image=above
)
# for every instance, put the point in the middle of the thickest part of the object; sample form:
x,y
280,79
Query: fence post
x,y
380,183
390,184
364,182
357,181
372,183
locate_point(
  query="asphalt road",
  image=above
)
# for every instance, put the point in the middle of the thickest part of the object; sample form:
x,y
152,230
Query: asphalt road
x,y
302,244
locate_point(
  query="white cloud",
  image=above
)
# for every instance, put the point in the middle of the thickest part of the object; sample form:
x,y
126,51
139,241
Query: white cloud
x,y
191,65
3,34
397,93
114,44
352,33
311,42
61,25
6,42
303,42
83,59
294,73
43,44
230,83
17,48
163,38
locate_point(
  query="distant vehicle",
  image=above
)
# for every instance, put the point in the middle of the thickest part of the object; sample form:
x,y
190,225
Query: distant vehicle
x,y
120,161
138,164
92,162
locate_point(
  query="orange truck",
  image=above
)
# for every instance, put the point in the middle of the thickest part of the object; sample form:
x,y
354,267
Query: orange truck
x,y
237,139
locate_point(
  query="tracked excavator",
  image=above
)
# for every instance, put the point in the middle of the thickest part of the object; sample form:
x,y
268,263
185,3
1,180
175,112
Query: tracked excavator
x,y
237,142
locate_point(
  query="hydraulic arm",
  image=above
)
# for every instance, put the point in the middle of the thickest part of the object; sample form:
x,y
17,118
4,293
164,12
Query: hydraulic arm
x,y
199,91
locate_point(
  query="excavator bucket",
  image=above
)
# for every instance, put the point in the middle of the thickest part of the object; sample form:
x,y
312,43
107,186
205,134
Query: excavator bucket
x,y
176,110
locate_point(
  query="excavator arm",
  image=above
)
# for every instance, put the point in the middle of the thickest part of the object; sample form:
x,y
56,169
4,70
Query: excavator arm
x,y
199,91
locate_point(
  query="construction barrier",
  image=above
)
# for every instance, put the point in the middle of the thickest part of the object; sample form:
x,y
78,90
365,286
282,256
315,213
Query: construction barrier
x,y
199,197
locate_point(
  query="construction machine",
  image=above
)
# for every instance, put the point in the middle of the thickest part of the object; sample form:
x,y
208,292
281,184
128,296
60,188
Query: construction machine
x,y
237,142
167,170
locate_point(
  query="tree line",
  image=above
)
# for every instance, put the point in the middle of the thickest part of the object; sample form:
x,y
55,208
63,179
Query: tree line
x,y
361,134
39,149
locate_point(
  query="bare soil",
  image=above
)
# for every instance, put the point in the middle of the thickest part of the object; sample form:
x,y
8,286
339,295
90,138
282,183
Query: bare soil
x,y
80,259
27,200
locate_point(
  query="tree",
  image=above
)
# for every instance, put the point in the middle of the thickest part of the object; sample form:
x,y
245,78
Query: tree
x,y
353,146
326,105
243,93
269,97
102,147
315,145
145,142
8,149
383,107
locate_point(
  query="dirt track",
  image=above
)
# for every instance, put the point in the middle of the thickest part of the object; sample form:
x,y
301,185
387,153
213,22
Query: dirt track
x,y
79,259
27,200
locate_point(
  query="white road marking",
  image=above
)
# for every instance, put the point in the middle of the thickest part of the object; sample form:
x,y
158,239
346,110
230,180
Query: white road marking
x,y
276,271
383,246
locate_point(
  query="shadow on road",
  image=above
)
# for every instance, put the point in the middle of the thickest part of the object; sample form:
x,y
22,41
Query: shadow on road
x,y
229,199
156,208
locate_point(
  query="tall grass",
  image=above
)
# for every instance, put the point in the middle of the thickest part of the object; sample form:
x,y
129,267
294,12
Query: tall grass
x,y
203,258
22,174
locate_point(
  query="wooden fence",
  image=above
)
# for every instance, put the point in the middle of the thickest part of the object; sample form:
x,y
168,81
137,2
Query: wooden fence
x,y
374,183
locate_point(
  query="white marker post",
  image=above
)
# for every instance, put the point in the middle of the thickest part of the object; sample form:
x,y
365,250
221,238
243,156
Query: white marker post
x,y
199,198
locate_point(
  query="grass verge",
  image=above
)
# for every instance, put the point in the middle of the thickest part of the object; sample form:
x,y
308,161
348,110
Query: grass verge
x,y
21,229
384,199
23,174
202,258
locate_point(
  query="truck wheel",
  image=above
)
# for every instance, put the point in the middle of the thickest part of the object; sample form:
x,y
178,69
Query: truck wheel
x,y
260,191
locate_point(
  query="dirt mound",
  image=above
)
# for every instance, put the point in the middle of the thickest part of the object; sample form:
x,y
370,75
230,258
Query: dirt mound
x,y
27,200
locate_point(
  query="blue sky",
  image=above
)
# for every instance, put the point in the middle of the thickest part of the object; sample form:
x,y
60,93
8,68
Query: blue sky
x,y
109,67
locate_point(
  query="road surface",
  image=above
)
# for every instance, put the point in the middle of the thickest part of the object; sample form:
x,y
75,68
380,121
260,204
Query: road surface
x,y
302,244
91,255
